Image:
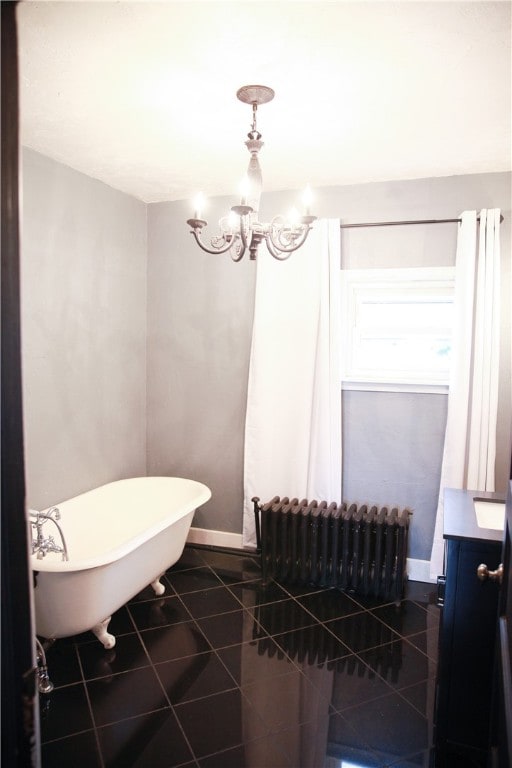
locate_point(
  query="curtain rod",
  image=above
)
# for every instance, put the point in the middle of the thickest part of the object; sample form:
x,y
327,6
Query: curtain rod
x,y
399,223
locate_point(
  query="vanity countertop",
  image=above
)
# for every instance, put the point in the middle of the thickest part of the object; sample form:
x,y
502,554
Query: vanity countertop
x,y
460,521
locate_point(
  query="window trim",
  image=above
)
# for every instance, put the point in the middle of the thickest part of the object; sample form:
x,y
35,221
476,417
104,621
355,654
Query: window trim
x,y
381,386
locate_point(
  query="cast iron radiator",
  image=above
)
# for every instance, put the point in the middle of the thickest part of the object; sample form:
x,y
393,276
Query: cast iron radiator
x,y
354,548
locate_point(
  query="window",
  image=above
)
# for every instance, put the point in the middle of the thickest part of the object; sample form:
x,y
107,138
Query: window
x,y
396,328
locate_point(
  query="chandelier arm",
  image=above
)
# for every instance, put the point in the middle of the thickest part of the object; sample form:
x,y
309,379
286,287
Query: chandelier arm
x,y
238,252
275,253
243,234
243,237
282,247
221,249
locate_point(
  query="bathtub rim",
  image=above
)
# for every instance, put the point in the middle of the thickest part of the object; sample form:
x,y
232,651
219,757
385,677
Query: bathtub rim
x,y
52,562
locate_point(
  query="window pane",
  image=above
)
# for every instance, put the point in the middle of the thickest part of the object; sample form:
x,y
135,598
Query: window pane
x,y
406,315
408,353
397,325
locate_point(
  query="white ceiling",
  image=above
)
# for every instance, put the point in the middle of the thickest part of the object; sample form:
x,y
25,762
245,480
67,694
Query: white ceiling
x,y
142,95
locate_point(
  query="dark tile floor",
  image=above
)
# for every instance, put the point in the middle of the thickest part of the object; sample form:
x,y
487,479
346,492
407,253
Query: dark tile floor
x,y
225,672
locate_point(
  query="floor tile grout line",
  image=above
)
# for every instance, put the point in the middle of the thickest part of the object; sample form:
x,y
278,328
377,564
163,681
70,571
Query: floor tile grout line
x,y
232,593
360,650
361,736
81,682
219,657
250,642
363,703
285,653
221,613
253,639
325,624
132,717
91,711
359,607
373,698
258,605
189,592
362,739
233,687
152,665
66,736
392,690
396,632
171,623
236,687
160,683
144,714
72,736
99,678
326,590
262,634
408,641
397,639
401,691
255,712
308,626
300,667
57,687
269,733
304,677
283,631
317,620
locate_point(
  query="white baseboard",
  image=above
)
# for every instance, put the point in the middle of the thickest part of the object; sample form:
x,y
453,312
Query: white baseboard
x,y
417,570
214,538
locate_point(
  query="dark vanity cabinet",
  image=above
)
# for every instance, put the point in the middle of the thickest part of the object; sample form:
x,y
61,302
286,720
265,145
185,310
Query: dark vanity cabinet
x,y
467,635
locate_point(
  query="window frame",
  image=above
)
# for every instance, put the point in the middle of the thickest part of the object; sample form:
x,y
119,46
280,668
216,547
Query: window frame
x,y
383,283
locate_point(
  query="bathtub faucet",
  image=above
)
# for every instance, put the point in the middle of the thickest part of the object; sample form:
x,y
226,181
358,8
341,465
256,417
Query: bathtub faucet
x,y
40,544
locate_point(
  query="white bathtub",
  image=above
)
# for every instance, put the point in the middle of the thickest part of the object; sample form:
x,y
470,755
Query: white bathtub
x,y
120,537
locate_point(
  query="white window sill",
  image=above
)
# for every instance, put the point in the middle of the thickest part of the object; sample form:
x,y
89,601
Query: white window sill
x,y
375,386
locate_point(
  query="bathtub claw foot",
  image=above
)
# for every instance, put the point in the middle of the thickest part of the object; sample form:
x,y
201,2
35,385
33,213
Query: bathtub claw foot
x,y
158,587
105,638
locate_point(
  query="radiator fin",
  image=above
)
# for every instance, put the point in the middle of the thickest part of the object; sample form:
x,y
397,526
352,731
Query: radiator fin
x,y
354,548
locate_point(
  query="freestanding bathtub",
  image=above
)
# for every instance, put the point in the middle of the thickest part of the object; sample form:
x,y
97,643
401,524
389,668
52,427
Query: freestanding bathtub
x,y
120,537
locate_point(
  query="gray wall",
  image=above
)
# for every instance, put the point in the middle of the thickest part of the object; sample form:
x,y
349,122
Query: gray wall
x,y
200,309
199,320
392,454
83,261
119,382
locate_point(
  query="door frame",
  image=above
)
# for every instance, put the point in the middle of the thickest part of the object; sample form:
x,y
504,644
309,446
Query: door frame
x,y
20,742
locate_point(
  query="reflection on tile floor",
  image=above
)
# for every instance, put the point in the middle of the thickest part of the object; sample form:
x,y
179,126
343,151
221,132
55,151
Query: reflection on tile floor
x,y
224,671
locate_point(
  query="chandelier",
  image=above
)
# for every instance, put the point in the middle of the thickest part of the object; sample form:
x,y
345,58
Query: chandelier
x,y
241,229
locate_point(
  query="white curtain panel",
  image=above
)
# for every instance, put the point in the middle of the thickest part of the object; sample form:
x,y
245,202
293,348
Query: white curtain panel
x,y
293,420
484,395
470,438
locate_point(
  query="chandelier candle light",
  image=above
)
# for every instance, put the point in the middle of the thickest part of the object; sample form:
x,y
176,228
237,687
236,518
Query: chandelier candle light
x,y
240,230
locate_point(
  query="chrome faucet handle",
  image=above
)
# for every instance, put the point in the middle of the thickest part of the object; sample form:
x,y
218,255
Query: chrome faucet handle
x,y
41,545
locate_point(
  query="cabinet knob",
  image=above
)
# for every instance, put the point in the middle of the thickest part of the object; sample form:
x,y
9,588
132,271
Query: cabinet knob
x,y
484,573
